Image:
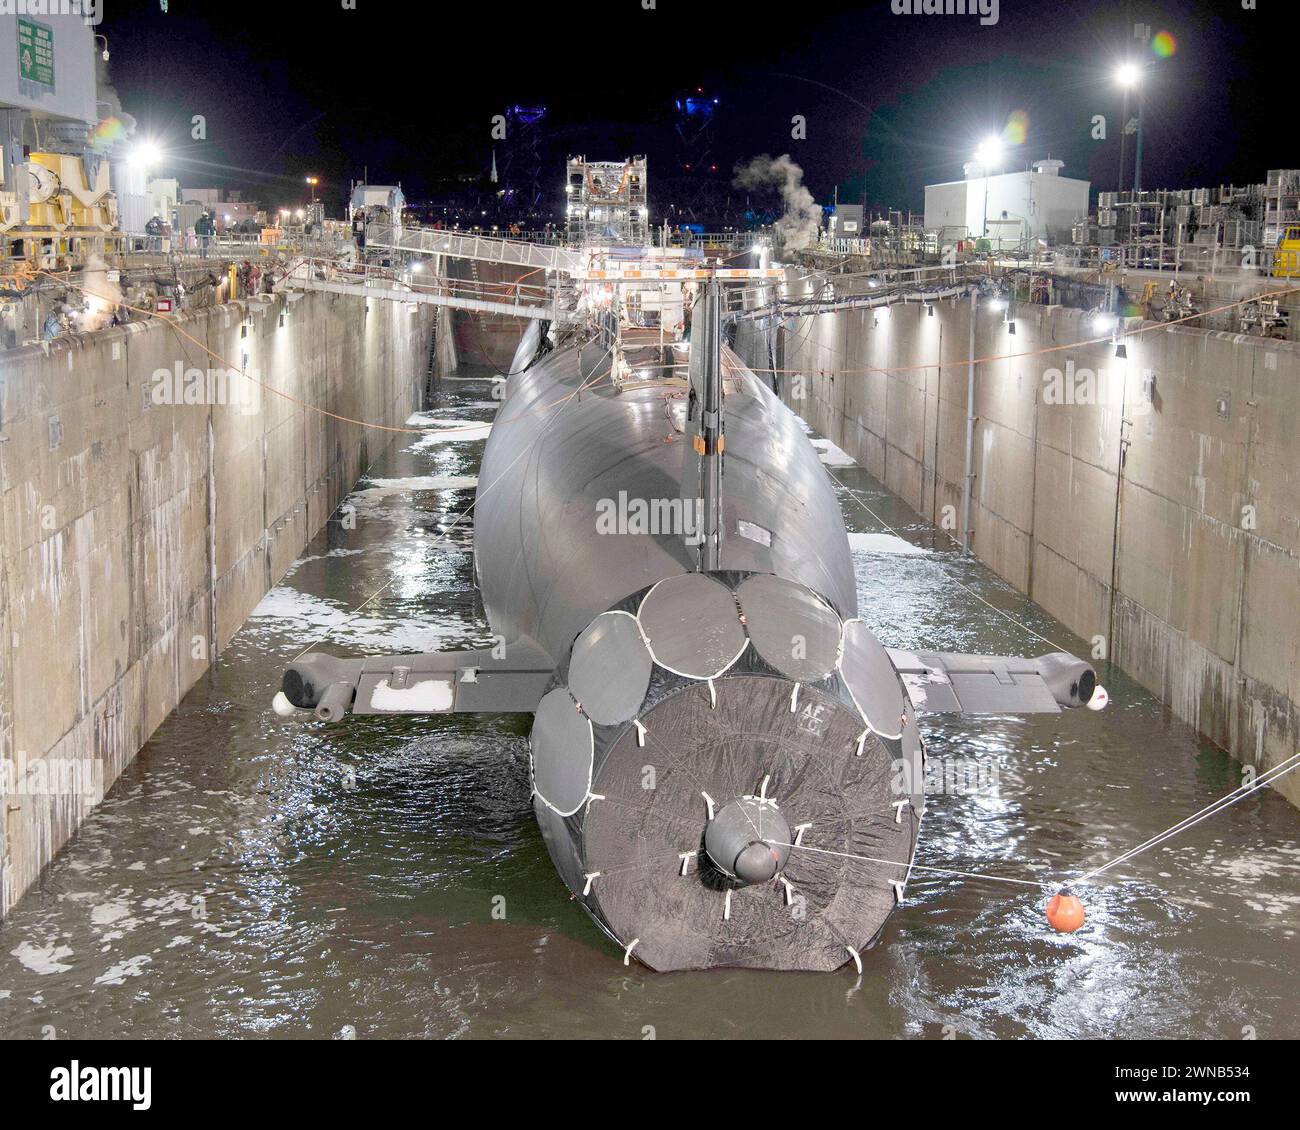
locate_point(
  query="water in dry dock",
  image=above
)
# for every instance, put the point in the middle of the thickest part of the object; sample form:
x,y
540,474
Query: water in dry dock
x,y
251,876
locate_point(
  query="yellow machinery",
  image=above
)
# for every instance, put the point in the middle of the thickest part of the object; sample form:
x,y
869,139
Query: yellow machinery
x,y
1286,260
64,209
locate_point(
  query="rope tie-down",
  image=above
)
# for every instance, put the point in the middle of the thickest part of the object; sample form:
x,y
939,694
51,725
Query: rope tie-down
x,y
1064,911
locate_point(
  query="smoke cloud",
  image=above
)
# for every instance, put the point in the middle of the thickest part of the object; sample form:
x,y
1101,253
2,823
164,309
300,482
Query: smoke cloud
x,y
802,220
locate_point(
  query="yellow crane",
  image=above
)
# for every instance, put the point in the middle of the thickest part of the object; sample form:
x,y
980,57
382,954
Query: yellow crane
x,y
1286,261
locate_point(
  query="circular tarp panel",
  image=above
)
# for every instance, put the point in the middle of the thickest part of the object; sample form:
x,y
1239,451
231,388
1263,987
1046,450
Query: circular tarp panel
x,y
872,680
809,765
609,671
563,746
791,627
692,625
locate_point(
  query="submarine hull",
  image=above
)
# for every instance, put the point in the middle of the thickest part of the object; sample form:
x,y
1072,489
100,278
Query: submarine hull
x,y
724,766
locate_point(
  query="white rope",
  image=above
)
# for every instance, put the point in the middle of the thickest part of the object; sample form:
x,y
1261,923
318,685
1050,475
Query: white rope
x,y
1003,612
1262,781
916,866
890,529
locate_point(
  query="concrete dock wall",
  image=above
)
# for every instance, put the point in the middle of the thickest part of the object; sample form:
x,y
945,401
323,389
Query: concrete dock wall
x,y
1200,530
141,520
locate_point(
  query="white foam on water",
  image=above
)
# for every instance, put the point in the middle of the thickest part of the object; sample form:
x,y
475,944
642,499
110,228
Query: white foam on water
x,y
884,543
314,618
446,431
322,556
831,455
108,912
117,974
382,488
43,959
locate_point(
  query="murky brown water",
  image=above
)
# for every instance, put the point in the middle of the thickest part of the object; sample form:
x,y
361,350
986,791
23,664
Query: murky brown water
x,y
254,876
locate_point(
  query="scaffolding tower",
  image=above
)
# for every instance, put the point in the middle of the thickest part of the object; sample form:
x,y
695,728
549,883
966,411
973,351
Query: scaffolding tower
x,y
606,201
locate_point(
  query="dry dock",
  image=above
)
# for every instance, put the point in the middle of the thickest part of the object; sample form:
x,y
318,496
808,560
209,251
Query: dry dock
x,y
141,520
1151,503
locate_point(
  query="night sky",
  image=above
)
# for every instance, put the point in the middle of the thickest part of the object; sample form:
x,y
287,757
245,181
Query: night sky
x,y
891,101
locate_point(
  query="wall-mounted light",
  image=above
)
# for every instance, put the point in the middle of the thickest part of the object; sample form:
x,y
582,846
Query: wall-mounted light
x,y
929,309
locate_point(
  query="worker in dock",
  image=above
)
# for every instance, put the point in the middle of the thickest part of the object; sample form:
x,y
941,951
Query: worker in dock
x,y
154,229
57,322
204,227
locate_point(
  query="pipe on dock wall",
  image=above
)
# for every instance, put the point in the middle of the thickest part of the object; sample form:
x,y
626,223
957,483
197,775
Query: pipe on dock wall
x,y
1206,548
137,531
968,475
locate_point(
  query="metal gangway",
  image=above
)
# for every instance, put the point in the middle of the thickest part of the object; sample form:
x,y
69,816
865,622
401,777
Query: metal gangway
x,y
516,300
468,245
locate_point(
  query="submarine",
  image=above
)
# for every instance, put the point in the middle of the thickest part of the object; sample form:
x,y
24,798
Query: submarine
x,y
726,763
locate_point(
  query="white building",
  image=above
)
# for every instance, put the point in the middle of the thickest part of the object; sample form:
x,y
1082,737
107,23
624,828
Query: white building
x,y
369,196
1012,209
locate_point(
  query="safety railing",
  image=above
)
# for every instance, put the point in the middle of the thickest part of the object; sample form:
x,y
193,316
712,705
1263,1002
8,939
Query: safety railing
x,y
514,299
465,245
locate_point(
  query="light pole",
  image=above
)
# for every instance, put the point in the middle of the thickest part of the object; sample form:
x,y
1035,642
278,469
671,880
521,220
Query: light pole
x,y
1129,77
1137,146
313,181
989,151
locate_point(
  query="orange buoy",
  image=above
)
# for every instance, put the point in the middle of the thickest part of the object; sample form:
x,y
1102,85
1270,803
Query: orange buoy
x,y
1064,913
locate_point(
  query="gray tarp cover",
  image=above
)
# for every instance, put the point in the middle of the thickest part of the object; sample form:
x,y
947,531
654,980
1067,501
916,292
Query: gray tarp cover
x,y
635,837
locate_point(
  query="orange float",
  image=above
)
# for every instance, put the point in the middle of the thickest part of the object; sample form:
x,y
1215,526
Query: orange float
x,y
1064,913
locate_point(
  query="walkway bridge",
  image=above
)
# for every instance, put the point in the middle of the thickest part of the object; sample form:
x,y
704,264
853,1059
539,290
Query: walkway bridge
x,y
516,300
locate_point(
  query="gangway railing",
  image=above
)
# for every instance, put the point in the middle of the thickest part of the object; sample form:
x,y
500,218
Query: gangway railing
x,y
516,300
465,245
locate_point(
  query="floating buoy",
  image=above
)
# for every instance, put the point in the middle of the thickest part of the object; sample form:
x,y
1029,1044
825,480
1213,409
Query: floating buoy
x,y
282,706
1099,699
1064,913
